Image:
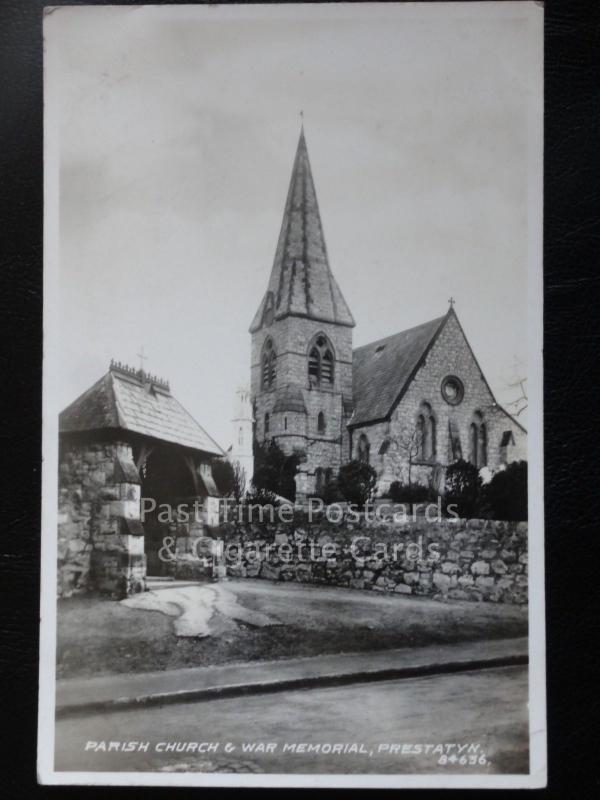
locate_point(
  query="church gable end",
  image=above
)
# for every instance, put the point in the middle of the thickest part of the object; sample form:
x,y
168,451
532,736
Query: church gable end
x,y
444,412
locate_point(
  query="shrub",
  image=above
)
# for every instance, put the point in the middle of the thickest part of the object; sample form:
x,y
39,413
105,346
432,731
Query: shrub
x,y
409,494
506,493
273,470
463,489
356,481
261,497
332,493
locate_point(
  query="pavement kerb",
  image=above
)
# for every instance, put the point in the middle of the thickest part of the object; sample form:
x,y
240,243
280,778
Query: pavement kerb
x,y
325,680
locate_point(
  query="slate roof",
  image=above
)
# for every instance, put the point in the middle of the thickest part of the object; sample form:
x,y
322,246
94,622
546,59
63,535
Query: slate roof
x,y
289,398
383,369
301,281
128,400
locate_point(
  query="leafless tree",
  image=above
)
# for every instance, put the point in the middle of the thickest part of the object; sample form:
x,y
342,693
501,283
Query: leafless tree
x,y
408,444
518,386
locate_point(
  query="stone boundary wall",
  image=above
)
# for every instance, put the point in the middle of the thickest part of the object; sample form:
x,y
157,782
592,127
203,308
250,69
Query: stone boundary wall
x,y
478,560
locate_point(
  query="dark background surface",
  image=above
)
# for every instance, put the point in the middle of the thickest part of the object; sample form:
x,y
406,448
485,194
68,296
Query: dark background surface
x,y
571,296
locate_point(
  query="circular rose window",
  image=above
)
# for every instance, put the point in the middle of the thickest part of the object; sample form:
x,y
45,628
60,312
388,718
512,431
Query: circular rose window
x,y
452,390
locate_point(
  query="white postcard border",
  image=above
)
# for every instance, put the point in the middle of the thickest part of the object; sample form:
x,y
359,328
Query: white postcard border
x,y
532,14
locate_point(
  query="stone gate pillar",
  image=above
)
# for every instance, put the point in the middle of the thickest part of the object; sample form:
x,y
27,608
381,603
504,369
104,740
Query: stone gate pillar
x,y
100,535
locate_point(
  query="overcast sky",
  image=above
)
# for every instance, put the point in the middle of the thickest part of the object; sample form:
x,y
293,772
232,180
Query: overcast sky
x,y
177,132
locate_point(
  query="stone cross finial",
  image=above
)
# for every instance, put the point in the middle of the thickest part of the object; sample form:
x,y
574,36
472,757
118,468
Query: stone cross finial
x,y
452,301
142,357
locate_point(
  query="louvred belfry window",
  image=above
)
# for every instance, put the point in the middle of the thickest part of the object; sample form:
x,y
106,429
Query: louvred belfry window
x,y
313,365
327,367
320,362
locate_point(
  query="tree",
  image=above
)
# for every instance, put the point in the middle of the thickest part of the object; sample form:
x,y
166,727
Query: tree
x,y
222,471
518,389
506,493
230,478
356,482
408,444
274,471
463,488
238,488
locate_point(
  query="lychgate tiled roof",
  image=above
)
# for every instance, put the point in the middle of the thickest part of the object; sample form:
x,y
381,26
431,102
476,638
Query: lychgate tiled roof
x,y
301,281
381,370
128,400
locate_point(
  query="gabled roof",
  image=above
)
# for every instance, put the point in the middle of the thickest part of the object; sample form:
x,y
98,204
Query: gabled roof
x,y
382,369
124,399
301,282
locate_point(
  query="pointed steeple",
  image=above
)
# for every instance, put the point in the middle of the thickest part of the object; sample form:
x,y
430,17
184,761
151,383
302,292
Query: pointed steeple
x,y
301,282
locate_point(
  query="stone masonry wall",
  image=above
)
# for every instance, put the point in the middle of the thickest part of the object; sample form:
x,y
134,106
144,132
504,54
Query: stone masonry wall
x,y
477,560
450,355
100,541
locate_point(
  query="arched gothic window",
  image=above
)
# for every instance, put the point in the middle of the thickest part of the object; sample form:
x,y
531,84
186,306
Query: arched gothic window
x,y
426,433
319,480
267,423
241,436
321,422
473,439
432,437
320,362
478,441
482,449
269,365
364,448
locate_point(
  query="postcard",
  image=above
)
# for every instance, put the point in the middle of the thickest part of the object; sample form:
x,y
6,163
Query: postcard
x,y
293,528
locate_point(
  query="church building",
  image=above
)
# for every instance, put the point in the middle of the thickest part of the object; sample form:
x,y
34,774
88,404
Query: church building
x,y
409,404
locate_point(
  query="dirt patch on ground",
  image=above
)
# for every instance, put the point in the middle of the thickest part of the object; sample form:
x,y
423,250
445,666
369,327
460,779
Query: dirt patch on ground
x,y
97,636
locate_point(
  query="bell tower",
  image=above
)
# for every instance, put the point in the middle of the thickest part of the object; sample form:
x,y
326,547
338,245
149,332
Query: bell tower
x,y
242,422
301,383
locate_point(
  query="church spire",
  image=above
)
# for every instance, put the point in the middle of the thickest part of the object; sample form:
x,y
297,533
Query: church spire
x,y
301,282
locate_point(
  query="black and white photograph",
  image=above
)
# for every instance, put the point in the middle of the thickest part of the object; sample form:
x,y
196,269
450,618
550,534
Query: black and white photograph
x,y
292,517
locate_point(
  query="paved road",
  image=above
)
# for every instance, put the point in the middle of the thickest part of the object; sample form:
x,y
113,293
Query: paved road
x,y
486,709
